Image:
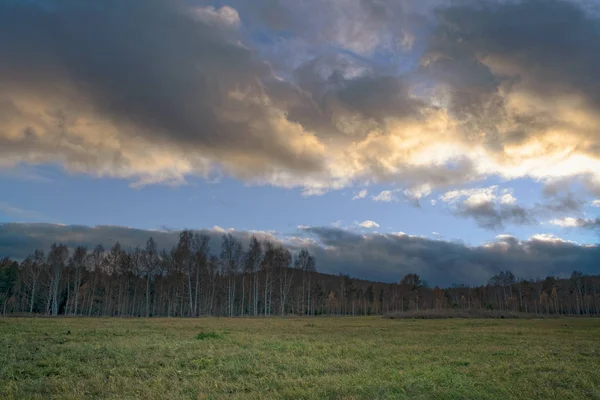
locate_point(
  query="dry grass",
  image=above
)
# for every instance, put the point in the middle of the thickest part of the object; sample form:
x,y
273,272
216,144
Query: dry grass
x,y
461,313
295,358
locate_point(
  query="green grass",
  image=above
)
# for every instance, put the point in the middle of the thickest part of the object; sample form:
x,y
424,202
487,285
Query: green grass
x,y
295,358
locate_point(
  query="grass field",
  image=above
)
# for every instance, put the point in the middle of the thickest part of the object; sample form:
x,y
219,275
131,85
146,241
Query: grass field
x,y
296,358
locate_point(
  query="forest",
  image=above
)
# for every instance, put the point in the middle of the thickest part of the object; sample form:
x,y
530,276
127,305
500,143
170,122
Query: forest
x,y
259,279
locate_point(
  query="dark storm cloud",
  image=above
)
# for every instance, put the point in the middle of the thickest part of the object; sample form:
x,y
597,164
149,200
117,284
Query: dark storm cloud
x,y
380,97
160,66
548,48
18,239
555,43
373,256
389,257
344,88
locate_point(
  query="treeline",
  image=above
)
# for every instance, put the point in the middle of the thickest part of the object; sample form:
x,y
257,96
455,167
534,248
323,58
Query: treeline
x,y
259,279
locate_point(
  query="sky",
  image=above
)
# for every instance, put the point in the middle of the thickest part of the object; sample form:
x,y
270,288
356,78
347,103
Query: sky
x,y
362,129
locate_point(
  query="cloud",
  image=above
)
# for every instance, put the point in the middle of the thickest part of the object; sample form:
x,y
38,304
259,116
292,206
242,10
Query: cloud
x,y
492,207
532,92
26,173
590,223
566,222
548,237
412,195
596,203
18,212
416,193
388,257
225,15
361,27
182,95
559,196
571,222
17,240
489,207
369,224
337,224
385,196
360,195
423,95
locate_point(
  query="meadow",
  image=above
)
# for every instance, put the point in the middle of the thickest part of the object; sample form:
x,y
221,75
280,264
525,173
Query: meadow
x,y
299,358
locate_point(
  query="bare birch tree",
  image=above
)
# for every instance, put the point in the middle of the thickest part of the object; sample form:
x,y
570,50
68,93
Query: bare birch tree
x,y
56,260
